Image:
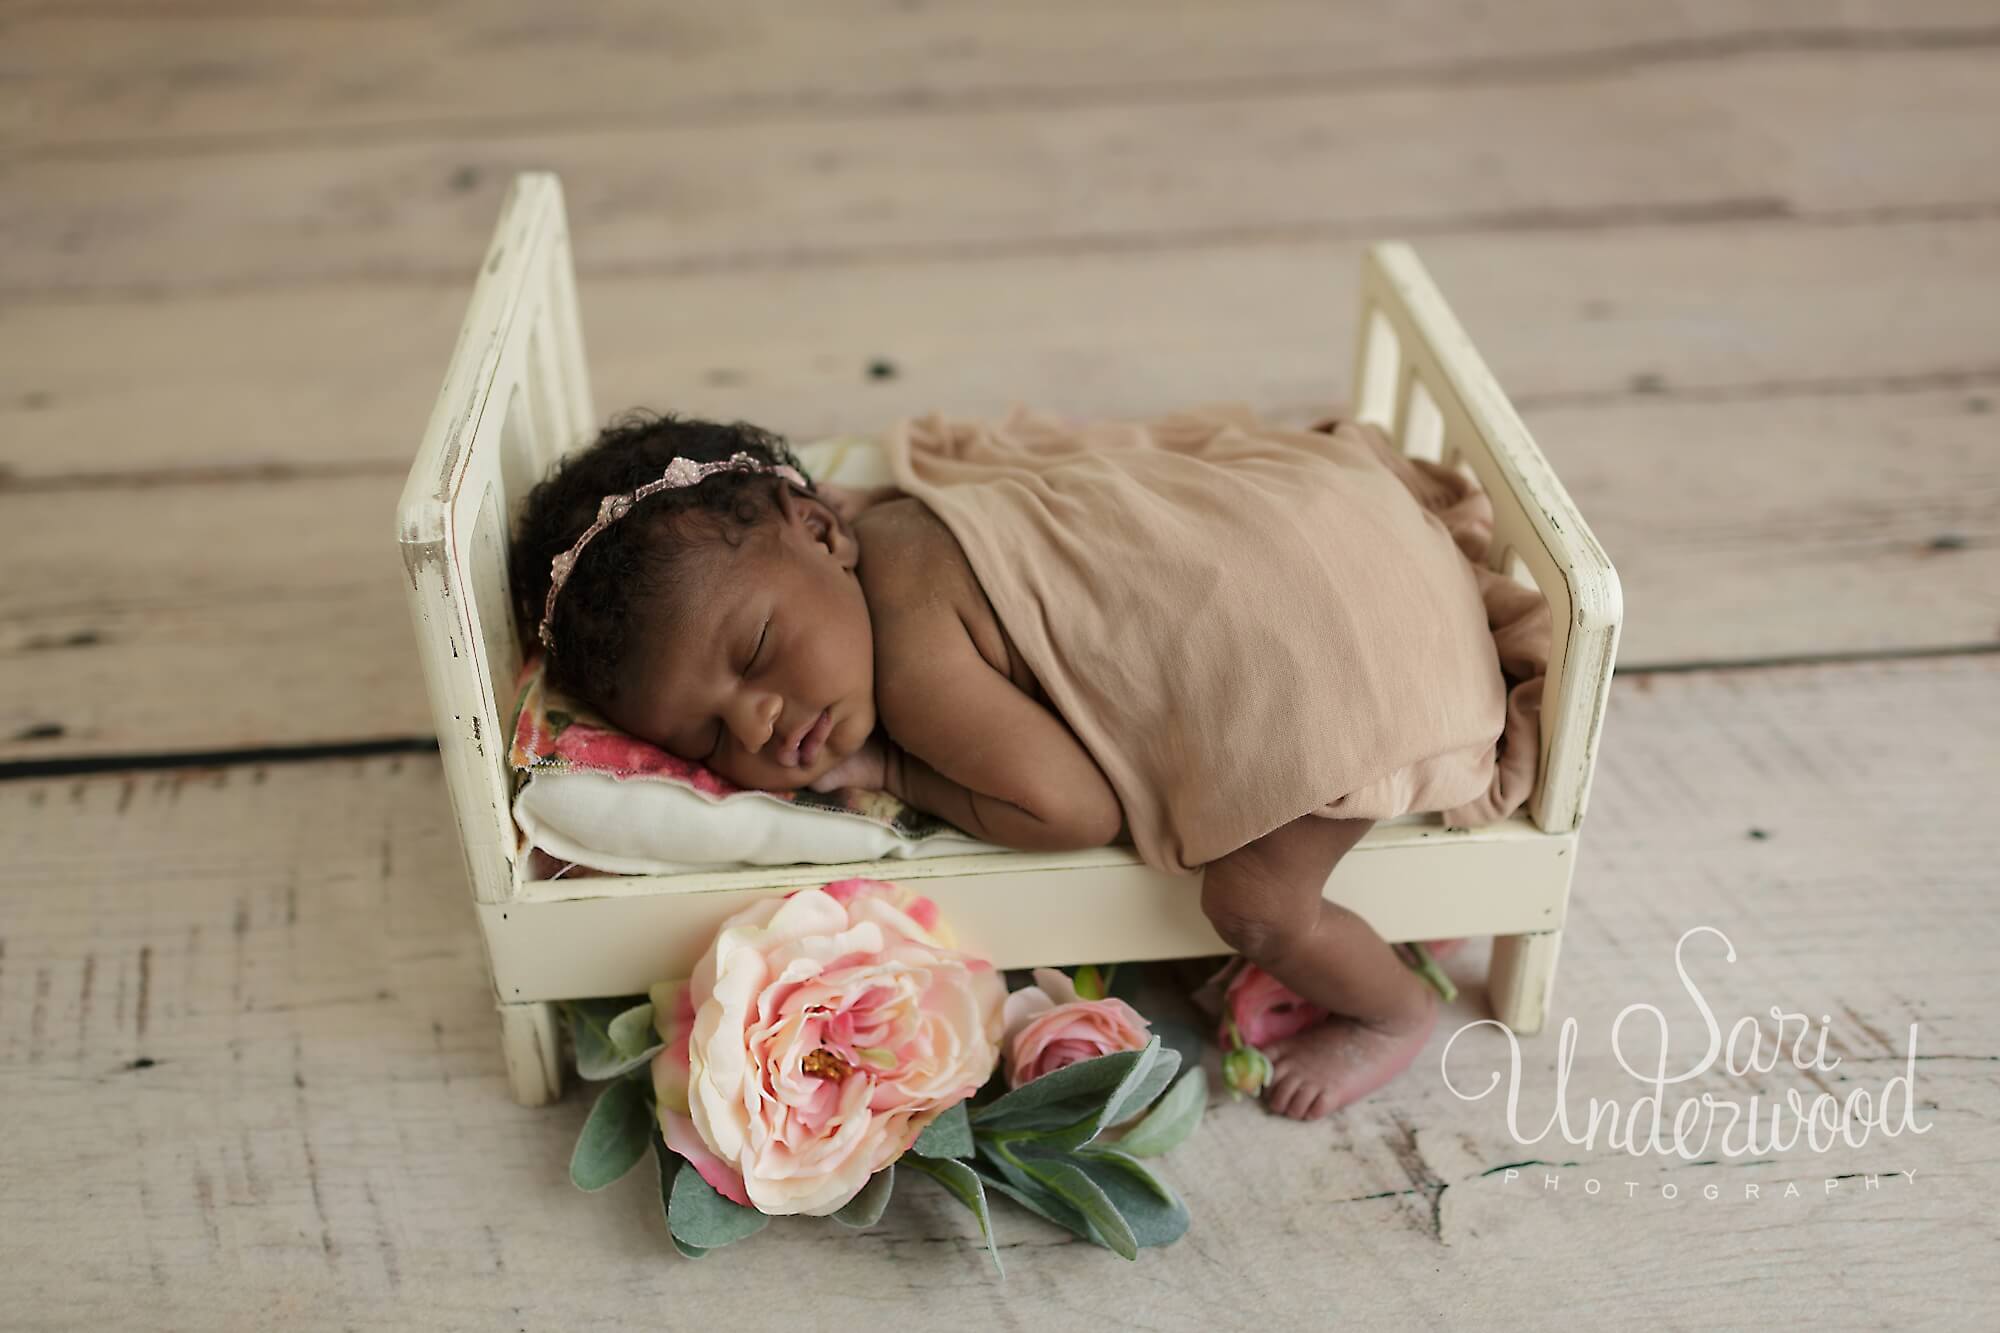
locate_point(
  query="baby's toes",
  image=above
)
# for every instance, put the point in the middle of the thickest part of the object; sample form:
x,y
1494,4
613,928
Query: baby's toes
x,y
1278,1093
1297,1097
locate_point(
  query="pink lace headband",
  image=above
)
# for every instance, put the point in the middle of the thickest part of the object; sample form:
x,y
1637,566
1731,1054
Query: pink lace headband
x,y
681,472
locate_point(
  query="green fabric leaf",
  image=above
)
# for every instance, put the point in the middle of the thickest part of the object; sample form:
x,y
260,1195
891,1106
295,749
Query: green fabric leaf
x,y
590,1021
1143,1084
1132,1167
1085,1083
1076,1187
611,1038
691,1251
1172,1118
950,1135
670,1163
613,1138
1155,1220
1181,1037
698,1215
1058,1138
865,1208
632,1031
1011,1181
1089,982
963,1182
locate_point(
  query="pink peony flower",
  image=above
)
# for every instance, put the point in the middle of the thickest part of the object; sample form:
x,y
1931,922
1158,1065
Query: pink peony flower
x,y
819,1035
1049,1026
1264,1009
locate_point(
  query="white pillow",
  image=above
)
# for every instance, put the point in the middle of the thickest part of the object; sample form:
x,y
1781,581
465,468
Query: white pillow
x,y
637,827
658,828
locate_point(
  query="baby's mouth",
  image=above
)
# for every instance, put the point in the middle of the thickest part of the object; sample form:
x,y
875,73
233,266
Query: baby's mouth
x,y
809,745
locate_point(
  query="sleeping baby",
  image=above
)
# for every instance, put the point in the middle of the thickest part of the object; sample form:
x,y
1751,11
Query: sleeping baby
x,y
1231,644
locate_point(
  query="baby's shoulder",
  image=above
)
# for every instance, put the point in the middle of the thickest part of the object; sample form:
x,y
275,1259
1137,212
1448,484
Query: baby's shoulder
x,y
925,602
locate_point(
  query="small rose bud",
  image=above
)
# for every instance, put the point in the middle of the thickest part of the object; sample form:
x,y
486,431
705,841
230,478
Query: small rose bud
x,y
1246,1070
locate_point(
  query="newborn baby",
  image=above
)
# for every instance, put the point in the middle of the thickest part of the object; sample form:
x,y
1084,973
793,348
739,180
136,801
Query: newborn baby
x,y
1041,642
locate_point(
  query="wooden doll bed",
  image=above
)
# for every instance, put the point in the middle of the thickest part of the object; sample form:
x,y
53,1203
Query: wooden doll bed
x,y
517,395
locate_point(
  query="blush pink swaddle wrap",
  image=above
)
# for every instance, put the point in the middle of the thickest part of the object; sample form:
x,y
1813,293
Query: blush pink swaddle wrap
x,y
1244,622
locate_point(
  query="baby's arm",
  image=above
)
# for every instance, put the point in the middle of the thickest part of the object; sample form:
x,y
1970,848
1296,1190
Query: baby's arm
x,y
972,748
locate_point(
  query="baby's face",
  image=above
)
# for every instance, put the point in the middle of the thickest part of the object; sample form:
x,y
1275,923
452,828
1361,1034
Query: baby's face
x,y
777,634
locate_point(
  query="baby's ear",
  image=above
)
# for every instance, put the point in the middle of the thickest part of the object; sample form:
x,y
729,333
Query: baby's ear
x,y
823,517
841,500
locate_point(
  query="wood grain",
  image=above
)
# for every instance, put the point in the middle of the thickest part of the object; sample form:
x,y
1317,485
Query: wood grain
x,y
111,77
253,1072
1737,265
328,380
1822,139
199,617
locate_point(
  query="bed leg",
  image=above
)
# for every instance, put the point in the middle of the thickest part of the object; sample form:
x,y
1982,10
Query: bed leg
x,y
1521,977
528,1038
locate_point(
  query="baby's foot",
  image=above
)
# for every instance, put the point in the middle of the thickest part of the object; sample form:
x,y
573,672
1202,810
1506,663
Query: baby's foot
x,y
1343,1060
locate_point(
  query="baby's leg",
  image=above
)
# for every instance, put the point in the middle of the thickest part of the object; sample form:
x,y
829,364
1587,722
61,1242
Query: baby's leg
x,y
1265,901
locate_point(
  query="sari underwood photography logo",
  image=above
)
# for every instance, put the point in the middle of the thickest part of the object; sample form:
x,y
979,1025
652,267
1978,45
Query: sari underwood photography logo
x,y
1702,1130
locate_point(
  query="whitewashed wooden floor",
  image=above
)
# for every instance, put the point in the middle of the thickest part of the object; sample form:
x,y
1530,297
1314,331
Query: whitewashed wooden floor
x,y
1738,265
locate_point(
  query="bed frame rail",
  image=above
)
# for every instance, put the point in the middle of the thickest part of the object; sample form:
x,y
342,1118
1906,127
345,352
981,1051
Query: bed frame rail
x,y
1418,376
515,398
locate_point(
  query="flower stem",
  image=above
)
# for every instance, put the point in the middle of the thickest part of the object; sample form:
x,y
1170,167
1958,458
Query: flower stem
x,y
1419,960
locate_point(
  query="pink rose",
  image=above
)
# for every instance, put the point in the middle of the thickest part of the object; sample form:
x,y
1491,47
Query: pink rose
x,y
1264,1010
1048,1026
819,1035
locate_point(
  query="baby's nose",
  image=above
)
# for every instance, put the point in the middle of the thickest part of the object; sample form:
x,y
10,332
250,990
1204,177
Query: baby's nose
x,y
771,715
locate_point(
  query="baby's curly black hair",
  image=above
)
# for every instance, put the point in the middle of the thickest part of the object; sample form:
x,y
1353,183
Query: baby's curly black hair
x,y
631,564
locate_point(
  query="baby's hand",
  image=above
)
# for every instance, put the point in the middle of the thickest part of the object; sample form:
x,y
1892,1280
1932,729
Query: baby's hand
x,y
867,767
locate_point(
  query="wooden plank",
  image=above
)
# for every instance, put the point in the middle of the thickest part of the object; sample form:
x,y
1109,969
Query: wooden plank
x,y
251,1066
1740,530
222,617
109,77
325,380
1772,135
1793,525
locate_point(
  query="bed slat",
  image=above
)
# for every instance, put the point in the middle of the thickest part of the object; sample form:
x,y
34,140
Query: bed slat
x,y
1445,399
515,397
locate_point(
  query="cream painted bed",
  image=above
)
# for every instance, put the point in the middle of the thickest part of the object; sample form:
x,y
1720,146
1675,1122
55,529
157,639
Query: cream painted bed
x,y
517,394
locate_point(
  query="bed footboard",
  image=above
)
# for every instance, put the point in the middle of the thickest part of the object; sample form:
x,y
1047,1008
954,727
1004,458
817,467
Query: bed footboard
x,y
1418,376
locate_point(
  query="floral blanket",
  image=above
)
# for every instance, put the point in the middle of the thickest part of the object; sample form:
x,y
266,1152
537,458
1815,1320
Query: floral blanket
x,y
555,734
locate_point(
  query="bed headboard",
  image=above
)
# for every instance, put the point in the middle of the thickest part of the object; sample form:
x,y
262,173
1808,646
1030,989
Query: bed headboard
x,y
1418,376
516,397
